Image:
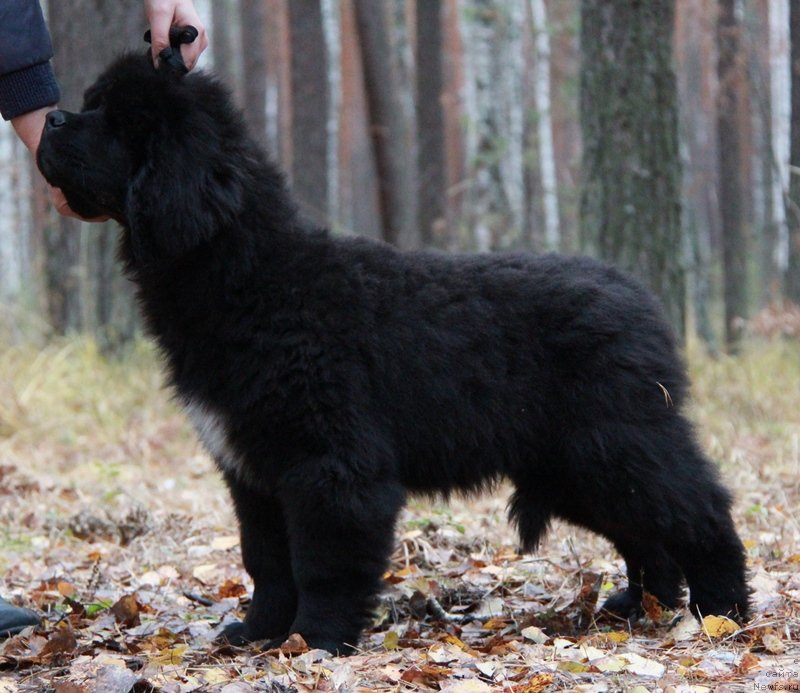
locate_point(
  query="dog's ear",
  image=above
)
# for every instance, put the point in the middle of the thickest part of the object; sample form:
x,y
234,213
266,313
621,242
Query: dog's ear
x,y
185,194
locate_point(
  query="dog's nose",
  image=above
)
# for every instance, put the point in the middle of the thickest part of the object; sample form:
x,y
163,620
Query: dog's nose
x,y
55,119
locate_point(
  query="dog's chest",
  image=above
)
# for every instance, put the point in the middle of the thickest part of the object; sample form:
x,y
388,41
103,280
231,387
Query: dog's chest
x,y
212,430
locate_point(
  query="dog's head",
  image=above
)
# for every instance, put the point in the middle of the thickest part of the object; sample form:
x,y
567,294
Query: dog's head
x,y
163,153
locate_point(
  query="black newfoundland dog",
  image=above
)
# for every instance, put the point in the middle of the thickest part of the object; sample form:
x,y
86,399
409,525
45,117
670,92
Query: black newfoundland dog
x,y
330,377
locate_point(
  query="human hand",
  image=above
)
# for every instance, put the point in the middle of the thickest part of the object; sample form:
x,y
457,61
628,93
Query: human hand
x,y
162,14
29,127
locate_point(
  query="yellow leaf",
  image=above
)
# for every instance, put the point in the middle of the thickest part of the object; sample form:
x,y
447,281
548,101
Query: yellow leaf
x,y
617,636
538,683
215,675
572,667
719,626
609,664
391,641
171,656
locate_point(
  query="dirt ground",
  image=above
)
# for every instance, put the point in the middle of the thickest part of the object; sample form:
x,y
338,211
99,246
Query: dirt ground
x,y
115,525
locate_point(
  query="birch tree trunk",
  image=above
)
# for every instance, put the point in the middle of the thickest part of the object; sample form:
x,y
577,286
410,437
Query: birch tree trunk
x,y
544,122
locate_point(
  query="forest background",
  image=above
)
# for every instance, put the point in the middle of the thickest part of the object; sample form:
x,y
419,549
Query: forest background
x,y
656,135
663,135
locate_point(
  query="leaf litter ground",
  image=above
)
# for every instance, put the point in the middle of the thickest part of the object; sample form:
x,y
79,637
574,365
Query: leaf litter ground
x,y
116,527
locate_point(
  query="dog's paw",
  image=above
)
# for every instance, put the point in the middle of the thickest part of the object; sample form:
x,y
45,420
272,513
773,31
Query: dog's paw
x,y
624,605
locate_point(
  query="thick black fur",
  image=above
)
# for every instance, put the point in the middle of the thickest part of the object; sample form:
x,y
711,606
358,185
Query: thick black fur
x,y
330,376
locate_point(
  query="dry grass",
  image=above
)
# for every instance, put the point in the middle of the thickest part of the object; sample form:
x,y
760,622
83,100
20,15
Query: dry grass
x,y
85,442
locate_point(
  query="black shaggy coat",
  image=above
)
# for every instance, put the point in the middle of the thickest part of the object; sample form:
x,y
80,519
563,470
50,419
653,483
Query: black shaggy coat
x,y
329,377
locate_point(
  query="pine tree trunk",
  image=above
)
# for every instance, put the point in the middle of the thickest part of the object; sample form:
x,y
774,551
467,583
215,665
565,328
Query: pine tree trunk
x,y
389,131
84,286
254,66
630,202
310,97
734,247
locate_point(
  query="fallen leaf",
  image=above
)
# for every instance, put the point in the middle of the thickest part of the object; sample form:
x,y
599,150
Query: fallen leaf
x,y
536,684
534,634
609,664
772,643
748,662
60,642
465,686
231,588
224,543
126,610
719,626
169,656
642,666
572,667
391,640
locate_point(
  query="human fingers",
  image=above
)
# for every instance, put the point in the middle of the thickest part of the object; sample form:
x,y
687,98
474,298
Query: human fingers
x,y
159,16
186,15
62,207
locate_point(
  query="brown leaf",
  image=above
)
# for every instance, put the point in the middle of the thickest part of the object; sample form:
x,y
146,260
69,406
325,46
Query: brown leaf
x,y
429,675
231,588
294,645
536,684
69,687
126,610
747,662
652,607
61,641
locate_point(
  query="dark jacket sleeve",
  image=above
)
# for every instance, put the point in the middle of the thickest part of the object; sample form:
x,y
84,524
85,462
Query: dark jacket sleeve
x,y
27,81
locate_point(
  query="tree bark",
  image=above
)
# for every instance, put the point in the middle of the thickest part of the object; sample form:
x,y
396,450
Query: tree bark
x,y
547,161
430,123
630,201
254,66
793,203
85,288
729,103
309,87
389,131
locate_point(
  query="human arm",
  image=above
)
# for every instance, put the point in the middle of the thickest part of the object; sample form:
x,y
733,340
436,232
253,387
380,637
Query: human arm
x,y
28,87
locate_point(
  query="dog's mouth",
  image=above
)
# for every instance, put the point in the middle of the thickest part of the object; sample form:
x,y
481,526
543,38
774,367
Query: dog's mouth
x,y
66,170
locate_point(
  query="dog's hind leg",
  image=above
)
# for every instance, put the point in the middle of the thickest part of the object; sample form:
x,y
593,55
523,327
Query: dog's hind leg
x,y
650,569
265,553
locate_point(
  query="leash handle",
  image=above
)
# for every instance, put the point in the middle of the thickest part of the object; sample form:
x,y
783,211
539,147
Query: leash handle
x,y
171,56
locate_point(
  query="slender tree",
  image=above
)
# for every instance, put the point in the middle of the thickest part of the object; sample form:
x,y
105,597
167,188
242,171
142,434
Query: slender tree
x,y
793,202
430,121
223,39
630,202
389,129
254,66
84,287
729,103
309,88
